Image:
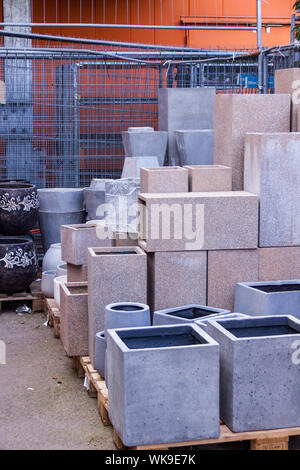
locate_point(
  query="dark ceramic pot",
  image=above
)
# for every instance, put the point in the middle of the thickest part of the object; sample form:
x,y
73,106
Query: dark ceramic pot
x,y
18,208
18,263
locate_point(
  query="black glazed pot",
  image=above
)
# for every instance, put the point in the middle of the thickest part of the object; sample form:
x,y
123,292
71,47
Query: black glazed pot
x,y
18,263
18,208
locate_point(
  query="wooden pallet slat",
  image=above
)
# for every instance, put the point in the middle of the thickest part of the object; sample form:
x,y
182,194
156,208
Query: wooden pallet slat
x,y
34,296
53,316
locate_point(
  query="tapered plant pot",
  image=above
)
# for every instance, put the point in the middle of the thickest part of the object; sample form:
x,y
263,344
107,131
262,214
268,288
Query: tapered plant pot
x,y
268,298
18,208
126,315
50,223
61,199
18,263
186,314
163,384
260,372
100,353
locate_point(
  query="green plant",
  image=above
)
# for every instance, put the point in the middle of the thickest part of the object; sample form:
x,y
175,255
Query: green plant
x,y
296,7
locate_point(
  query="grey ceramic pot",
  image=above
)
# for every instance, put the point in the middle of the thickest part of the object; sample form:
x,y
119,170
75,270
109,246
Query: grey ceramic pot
x,y
126,315
100,351
18,263
52,257
61,199
48,283
50,223
18,208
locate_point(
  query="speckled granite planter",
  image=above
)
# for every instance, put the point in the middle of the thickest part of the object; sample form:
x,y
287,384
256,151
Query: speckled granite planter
x,y
149,371
186,314
18,208
260,372
268,298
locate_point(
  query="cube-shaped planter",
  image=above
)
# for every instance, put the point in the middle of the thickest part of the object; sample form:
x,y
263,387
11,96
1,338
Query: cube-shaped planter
x,y
166,179
204,178
268,298
163,384
260,372
77,273
186,314
203,323
74,318
196,146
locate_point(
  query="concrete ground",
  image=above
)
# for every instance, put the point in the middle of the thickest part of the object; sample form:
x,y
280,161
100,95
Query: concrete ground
x,y
43,404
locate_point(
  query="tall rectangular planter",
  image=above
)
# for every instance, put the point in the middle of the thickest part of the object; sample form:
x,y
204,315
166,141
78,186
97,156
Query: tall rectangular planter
x,y
236,115
260,372
268,298
198,221
116,274
272,171
163,384
279,263
74,318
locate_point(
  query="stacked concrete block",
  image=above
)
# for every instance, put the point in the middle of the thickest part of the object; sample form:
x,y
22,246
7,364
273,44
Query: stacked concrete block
x,y
199,221
167,179
121,200
184,109
288,81
145,142
272,171
132,165
117,274
195,147
224,269
276,264
176,278
236,115
206,178
74,318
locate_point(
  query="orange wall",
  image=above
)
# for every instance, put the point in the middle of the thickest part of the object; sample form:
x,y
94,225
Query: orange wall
x,y
162,12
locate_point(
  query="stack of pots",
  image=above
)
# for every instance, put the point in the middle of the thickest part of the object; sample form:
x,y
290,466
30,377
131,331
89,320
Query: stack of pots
x,y
59,206
18,215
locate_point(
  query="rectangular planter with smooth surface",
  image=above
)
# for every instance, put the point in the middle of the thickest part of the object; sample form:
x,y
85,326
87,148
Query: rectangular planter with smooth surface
x,y
186,314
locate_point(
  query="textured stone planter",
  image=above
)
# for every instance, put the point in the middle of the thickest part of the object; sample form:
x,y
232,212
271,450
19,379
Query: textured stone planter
x,y
132,165
50,223
61,199
77,273
149,371
268,298
100,352
76,239
260,373
278,263
18,263
145,144
94,196
52,257
196,147
167,179
114,274
74,318
186,314
122,195
58,280
18,208
126,315
203,178
125,238
285,80
47,284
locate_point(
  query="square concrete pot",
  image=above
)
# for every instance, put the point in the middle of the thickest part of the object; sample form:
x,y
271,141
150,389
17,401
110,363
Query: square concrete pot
x,y
268,298
166,179
117,274
227,316
185,314
203,178
196,147
76,239
260,372
132,165
77,273
145,144
163,384
74,318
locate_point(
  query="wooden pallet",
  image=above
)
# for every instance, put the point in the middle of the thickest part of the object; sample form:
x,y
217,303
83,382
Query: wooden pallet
x,y
33,297
96,385
53,316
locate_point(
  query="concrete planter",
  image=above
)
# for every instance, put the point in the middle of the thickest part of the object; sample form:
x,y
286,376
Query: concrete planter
x,y
61,199
47,284
122,195
50,223
100,353
150,370
132,165
196,147
126,315
94,196
74,318
58,280
205,178
52,257
204,323
260,372
144,144
61,270
268,298
167,179
186,314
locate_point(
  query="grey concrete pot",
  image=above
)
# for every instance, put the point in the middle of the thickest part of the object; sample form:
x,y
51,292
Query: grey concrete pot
x,y
61,199
52,257
50,223
144,144
228,316
94,196
260,372
47,284
58,280
149,371
100,352
268,298
196,147
126,315
186,314
61,269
